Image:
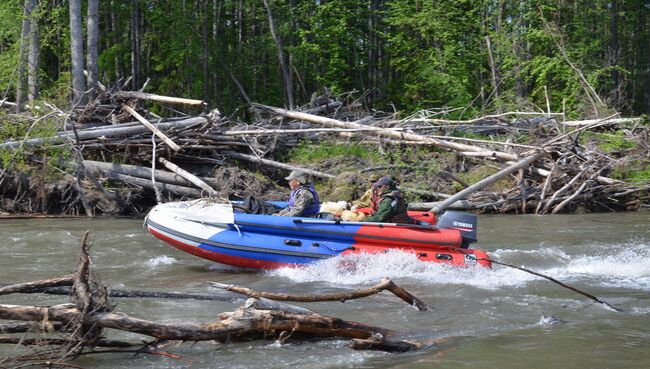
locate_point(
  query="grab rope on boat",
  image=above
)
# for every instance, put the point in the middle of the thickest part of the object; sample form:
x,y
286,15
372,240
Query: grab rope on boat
x,y
237,228
592,297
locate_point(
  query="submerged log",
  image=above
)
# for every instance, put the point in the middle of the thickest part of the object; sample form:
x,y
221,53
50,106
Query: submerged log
x,y
37,285
121,293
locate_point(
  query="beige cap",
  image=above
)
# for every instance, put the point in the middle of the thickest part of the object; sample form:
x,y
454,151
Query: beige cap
x,y
298,175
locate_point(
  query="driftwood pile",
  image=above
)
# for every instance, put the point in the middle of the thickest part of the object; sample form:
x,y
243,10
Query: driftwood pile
x,y
58,333
116,141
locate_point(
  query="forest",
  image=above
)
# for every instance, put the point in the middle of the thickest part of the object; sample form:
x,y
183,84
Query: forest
x,y
464,57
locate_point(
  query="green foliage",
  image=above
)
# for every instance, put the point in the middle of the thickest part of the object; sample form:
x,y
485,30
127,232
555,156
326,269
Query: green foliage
x,y
480,172
432,47
307,152
17,128
608,142
58,93
399,54
637,171
10,26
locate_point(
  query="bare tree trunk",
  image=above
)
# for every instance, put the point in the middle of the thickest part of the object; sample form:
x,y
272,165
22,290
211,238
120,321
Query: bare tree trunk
x,y
614,50
135,45
34,55
21,85
284,67
113,22
76,45
495,84
205,55
92,45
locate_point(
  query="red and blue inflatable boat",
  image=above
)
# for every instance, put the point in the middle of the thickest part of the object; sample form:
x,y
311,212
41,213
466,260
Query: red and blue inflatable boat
x,y
219,233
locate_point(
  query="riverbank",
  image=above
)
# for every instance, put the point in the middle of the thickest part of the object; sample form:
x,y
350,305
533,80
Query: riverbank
x,y
514,162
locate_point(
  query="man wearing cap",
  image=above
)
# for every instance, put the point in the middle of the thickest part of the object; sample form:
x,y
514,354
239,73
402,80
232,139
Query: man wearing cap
x,y
303,201
389,205
369,196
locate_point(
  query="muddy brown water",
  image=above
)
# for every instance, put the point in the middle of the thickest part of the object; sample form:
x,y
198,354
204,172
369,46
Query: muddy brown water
x,y
500,318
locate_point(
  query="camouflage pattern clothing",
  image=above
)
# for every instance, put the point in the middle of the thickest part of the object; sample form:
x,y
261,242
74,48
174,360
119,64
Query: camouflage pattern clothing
x,y
303,200
364,201
390,207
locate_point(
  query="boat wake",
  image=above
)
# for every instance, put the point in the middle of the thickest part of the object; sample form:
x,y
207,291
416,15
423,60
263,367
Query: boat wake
x,y
624,265
621,265
395,264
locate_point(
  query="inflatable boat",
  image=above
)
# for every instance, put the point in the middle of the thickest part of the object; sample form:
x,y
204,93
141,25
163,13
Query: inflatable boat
x,y
218,232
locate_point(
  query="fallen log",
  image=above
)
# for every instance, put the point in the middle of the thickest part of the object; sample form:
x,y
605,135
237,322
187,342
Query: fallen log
x,y
113,131
379,131
160,98
151,127
37,285
588,122
4,102
121,293
189,176
146,183
487,181
384,285
426,206
246,322
140,172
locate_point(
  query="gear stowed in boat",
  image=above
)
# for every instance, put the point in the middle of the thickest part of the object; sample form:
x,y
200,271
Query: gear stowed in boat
x,y
217,232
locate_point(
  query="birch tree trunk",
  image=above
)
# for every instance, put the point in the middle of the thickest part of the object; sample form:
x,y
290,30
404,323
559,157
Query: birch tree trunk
x,y
21,84
34,55
76,51
135,45
92,45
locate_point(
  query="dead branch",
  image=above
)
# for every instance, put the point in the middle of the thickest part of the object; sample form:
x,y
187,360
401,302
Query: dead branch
x,y
28,287
384,285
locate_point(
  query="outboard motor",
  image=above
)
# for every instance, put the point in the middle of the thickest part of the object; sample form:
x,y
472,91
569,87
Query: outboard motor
x,y
466,223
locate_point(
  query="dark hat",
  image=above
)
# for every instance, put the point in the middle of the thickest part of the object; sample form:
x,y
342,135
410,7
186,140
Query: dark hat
x,y
383,181
298,175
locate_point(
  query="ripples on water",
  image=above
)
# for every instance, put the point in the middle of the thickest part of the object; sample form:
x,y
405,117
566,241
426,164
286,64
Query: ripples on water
x,y
500,318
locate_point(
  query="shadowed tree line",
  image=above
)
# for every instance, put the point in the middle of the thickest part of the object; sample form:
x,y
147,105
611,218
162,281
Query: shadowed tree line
x,y
587,58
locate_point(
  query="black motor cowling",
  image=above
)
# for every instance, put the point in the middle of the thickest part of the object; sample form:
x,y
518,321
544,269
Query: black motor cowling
x,y
466,223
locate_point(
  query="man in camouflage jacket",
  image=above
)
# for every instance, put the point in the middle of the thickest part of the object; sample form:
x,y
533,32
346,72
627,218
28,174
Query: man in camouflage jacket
x,y
303,201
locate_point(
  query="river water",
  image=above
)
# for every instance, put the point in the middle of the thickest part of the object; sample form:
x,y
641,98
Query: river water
x,y
500,318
